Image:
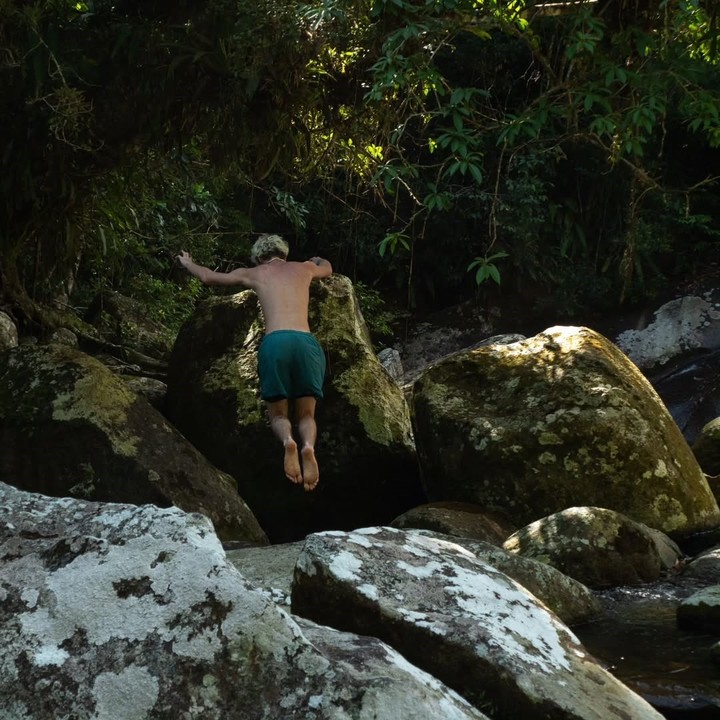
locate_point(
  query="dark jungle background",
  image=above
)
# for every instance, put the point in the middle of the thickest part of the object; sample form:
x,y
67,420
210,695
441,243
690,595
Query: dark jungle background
x,y
559,157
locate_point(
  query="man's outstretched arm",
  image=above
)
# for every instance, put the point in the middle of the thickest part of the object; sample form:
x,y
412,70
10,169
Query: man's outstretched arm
x,y
207,276
324,268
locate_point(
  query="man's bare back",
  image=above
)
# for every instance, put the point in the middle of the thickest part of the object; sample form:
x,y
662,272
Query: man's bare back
x,y
283,289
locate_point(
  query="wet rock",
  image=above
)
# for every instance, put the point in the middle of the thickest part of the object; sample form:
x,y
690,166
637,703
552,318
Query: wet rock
x,y
707,447
560,420
461,620
700,611
115,611
705,567
390,359
598,547
69,426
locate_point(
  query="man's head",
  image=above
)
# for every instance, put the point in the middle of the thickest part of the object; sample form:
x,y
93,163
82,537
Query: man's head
x,y
267,247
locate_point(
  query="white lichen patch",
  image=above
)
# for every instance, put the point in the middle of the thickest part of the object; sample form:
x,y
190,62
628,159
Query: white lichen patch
x,y
421,571
433,624
345,566
521,629
707,597
141,591
50,655
369,591
661,470
131,693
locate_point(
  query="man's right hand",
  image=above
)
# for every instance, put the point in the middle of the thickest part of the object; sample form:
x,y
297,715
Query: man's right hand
x,y
184,258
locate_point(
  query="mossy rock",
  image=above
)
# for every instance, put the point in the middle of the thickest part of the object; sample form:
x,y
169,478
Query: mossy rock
x,y
70,427
559,420
368,466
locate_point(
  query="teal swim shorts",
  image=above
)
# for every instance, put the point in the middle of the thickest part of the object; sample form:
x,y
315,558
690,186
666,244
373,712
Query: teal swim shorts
x,y
291,364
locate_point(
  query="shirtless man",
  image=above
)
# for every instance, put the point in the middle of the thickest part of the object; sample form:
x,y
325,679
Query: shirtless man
x,y
291,363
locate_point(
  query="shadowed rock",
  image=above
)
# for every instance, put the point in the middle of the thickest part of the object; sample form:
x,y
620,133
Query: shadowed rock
x,y
69,426
368,466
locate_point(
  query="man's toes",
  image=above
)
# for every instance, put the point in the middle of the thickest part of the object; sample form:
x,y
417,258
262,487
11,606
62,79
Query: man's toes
x,y
292,463
311,474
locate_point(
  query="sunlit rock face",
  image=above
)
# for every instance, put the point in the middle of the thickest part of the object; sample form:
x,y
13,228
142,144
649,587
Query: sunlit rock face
x,y
462,620
368,466
560,420
123,612
70,427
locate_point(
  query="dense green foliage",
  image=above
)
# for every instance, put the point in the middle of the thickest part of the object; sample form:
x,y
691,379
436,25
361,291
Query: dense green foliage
x,y
422,145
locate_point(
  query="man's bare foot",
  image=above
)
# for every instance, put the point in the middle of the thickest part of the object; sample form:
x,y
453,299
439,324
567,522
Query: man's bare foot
x,y
292,462
311,474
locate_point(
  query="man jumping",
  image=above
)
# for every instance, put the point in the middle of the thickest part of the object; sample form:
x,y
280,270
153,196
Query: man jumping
x,y
291,363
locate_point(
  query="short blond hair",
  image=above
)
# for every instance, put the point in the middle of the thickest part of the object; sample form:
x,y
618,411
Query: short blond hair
x,y
267,247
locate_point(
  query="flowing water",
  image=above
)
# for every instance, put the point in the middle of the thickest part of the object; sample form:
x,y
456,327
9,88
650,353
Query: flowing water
x,y
639,642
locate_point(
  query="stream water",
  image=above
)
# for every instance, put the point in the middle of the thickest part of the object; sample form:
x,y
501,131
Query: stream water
x,y
639,642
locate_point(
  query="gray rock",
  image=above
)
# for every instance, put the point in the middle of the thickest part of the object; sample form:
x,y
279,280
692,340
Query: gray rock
x,y
681,325
64,336
123,321
270,569
459,619
707,447
153,390
390,359
114,611
705,567
8,332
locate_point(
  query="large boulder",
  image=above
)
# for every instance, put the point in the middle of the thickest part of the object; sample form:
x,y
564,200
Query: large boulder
x,y
69,426
368,466
133,613
596,546
560,420
461,620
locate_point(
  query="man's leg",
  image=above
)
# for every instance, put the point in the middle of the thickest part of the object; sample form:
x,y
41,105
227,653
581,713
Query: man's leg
x,y
307,429
281,426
